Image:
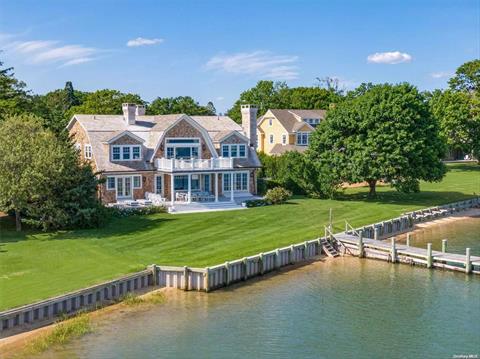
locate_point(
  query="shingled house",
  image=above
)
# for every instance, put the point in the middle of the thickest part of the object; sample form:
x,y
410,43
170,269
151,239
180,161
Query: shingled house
x,y
179,157
280,131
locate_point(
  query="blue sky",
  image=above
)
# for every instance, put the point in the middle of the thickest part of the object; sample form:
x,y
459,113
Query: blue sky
x,y
213,50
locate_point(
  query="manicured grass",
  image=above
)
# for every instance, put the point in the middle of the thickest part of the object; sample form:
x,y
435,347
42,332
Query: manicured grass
x,y
35,265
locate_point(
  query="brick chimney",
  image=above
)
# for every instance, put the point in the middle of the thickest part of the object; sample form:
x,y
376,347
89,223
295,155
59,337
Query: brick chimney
x,y
249,123
129,110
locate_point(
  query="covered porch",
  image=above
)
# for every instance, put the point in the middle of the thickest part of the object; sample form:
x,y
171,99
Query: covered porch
x,y
208,187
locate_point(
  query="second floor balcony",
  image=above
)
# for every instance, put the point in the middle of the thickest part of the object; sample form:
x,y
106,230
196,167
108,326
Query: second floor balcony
x,y
194,164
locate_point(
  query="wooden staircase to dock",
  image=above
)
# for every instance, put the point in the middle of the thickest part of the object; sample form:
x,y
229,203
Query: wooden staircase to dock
x,y
328,248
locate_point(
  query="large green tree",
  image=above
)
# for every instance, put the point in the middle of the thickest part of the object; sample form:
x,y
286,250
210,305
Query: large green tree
x,y
386,133
29,158
458,118
104,102
14,97
467,77
54,106
269,94
180,104
265,94
312,98
41,179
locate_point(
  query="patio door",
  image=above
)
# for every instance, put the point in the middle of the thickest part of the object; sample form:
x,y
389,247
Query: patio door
x,y
124,187
206,183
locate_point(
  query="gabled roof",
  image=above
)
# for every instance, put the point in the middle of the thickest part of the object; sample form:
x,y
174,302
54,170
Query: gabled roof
x,y
196,125
223,135
126,133
290,118
150,130
279,149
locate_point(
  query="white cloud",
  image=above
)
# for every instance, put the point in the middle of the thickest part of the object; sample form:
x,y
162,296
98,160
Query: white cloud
x,y
392,58
441,74
66,53
140,41
78,61
261,63
48,51
220,98
32,46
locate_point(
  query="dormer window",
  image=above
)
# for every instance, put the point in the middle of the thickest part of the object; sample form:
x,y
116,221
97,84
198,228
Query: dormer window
x,y
235,151
312,121
116,153
183,148
126,153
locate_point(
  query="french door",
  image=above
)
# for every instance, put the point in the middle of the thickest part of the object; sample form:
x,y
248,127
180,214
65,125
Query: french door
x,y
124,187
206,183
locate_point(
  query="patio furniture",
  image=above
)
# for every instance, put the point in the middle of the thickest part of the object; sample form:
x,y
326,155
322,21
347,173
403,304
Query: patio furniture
x,y
155,198
145,202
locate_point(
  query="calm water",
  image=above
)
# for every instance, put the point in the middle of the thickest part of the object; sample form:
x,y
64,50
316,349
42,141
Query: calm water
x,y
345,308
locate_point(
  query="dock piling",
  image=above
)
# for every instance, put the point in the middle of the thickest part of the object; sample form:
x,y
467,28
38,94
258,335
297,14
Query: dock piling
x,y
360,244
408,239
468,263
394,251
444,246
429,255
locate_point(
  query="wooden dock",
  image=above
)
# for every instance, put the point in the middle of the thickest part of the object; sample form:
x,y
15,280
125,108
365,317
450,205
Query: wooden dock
x,y
355,244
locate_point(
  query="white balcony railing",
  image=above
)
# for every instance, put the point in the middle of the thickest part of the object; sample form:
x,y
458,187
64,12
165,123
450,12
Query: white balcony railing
x,y
171,164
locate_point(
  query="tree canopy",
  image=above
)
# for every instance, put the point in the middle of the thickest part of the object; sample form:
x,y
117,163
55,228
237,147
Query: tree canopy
x,y
265,94
14,97
180,104
104,102
467,77
41,178
458,116
269,94
385,133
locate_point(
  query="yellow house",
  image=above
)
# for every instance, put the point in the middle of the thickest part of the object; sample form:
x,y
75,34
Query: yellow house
x,y
279,131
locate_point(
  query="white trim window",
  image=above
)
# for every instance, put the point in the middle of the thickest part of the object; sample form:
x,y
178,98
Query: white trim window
x,y
183,147
270,121
158,184
78,146
88,151
303,138
137,182
313,121
234,150
240,181
284,139
226,182
111,183
126,153
271,139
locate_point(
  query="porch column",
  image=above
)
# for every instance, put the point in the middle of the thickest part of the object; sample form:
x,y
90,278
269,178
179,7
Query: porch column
x,y
189,199
231,186
216,186
172,189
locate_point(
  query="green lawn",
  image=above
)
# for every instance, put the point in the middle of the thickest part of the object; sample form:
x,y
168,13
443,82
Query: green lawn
x,y
35,265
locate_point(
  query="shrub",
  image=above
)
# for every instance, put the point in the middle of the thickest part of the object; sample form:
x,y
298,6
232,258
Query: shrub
x,y
132,211
277,195
297,173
